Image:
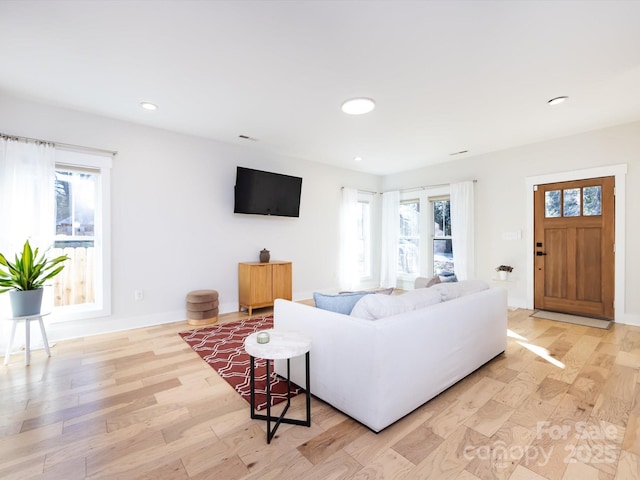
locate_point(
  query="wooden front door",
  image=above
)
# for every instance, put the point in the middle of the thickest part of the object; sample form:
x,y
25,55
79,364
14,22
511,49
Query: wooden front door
x,y
574,247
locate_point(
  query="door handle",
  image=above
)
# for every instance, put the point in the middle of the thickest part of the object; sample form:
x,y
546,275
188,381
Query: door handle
x,y
539,254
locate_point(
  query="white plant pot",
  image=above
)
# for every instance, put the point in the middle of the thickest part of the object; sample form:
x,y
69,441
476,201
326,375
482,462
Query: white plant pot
x,y
503,275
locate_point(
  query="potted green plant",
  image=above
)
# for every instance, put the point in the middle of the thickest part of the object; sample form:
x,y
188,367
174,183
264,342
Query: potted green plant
x,y
504,271
24,278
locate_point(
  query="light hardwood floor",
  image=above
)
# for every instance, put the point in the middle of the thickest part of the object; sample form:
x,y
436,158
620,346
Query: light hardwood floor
x,y
142,404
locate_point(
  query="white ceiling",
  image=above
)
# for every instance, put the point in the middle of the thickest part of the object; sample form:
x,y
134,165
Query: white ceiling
x,y
446,75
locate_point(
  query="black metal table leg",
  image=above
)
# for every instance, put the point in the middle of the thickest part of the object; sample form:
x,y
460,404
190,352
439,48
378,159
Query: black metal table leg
x,y
252,385
308,390
281,418
268,391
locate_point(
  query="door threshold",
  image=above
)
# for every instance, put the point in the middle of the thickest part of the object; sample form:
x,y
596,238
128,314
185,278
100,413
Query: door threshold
x,y
574,319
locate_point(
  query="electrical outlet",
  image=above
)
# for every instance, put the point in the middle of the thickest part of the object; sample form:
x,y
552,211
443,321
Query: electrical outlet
x,y
138,295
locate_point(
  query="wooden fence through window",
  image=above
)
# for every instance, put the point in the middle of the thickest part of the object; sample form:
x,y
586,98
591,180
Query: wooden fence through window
x,y
75,284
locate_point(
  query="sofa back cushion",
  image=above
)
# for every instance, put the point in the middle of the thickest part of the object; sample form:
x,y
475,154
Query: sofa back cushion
x,y
452,290
424,282
372,307
378,291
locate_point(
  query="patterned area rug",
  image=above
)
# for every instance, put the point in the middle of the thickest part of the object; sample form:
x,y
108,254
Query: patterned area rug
x,y
222,347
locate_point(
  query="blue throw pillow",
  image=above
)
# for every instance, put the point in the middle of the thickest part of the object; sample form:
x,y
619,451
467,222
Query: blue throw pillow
x,y
340,303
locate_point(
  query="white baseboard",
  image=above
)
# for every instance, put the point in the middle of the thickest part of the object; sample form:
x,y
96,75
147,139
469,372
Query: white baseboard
x,y
58,331
96,326
629,319
516,303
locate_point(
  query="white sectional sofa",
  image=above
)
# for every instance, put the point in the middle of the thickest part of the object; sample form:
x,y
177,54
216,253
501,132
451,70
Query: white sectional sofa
x,y
377,371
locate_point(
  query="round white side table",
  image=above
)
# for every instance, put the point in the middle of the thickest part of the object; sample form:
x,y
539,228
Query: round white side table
x,y
27,335
281,345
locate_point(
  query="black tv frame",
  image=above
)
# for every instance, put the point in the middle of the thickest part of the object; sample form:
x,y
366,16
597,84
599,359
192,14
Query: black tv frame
x,y
258,192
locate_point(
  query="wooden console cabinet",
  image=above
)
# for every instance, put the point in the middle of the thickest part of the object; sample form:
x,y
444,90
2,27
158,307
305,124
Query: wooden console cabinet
x,y
259,284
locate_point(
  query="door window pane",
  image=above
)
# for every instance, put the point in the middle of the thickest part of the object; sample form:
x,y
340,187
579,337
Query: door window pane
x,y
592,200
552,204
572,202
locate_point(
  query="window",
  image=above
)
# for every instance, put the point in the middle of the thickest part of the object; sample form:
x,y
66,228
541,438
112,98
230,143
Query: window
x,y
424,240
592,197
575,202
75,192
364,238
82,290
443,261
409,238
552,203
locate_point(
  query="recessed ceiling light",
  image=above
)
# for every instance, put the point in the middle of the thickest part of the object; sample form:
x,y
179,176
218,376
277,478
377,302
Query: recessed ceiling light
x,y
148,106
557,100
358,106
357,159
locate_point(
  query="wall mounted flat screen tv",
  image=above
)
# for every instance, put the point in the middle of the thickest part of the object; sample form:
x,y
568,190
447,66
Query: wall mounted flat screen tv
x,y
266,193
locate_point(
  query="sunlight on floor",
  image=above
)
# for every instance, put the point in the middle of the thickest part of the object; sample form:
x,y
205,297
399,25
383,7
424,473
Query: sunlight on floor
x,y
512,334
542,353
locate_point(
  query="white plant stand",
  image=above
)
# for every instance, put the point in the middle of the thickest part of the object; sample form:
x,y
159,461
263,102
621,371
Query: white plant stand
x,y
27,335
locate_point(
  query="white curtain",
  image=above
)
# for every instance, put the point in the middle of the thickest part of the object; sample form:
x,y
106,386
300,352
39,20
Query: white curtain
x,y
463,229
389,239
27,207
348,254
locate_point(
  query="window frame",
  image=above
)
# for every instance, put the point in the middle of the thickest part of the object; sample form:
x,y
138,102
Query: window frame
x,y
402,276
432,260
365,198
69,159
426,228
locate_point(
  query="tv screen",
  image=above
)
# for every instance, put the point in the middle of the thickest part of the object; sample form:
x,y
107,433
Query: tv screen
x,y
265,193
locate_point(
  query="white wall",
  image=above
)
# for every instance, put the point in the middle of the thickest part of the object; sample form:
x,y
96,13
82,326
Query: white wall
x,y
173,227
501,199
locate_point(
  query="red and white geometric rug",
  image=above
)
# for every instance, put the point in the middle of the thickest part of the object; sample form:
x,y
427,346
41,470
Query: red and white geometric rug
x,y
222,347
